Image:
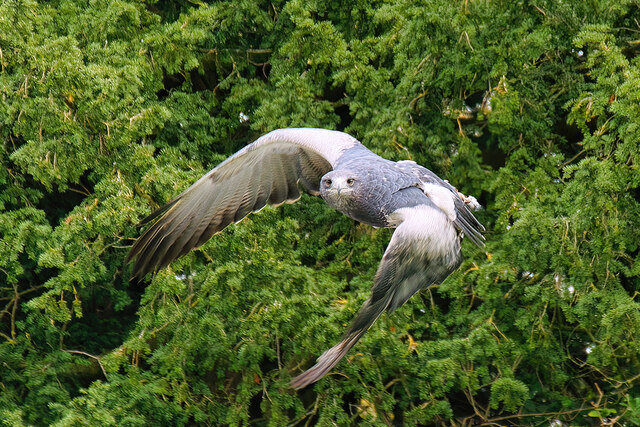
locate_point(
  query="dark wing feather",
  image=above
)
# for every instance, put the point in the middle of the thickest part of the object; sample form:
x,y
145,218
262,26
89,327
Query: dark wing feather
x,y
423,251
266,171
467,223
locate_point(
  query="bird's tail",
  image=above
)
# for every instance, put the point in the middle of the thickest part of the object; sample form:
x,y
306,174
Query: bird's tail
x,y
368,314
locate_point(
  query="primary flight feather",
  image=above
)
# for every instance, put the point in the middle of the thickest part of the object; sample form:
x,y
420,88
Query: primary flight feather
x,y
429,215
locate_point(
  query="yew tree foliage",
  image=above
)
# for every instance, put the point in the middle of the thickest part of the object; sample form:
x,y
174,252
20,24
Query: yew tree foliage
x,y
110,108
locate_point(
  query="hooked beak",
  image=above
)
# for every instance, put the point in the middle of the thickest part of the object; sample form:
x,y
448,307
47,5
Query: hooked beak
x,y
340,187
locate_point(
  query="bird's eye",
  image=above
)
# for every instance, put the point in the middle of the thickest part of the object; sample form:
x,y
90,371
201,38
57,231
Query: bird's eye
x,y
327,182
350,181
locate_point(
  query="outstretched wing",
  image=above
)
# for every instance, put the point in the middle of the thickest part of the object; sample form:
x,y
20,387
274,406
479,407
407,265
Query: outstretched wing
x,y
266,171
424,250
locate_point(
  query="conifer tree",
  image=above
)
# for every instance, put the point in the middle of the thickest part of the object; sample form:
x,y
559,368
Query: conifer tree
x,y
110,108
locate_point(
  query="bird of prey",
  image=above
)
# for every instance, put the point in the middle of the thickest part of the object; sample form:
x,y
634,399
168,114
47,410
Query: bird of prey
x,y
429,215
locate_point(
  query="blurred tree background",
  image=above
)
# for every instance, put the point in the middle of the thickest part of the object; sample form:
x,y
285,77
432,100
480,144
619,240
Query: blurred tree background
x,y
110,108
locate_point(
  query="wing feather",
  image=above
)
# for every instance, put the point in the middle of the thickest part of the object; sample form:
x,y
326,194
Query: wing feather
x,y
467,223
279,183
265,171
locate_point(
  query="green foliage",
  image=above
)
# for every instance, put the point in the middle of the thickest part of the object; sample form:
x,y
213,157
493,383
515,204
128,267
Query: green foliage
x,y
511,393
110,108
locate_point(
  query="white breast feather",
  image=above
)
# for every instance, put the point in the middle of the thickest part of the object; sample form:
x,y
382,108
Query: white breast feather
x,y
428,229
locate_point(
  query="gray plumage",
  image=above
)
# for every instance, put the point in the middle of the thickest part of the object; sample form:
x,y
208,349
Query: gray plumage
x,y
429,215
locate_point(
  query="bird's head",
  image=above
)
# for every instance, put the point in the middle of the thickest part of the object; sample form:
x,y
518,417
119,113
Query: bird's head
x,y
338,187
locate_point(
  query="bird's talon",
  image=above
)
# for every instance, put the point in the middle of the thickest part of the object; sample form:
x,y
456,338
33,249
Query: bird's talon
x,y
464,198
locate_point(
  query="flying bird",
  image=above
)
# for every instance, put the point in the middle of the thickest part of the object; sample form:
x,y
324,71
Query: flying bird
x,y
430,216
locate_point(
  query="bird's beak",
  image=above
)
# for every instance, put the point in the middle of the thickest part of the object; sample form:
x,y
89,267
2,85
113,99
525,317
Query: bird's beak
x,y
338,188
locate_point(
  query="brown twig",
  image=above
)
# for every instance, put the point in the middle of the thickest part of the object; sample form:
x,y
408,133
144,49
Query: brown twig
x,y
96,358
536,414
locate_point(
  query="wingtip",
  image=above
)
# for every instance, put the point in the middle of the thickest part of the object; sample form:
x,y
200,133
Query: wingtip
x,y
303,380
476,238
134,254
140,267
136,273
324,364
